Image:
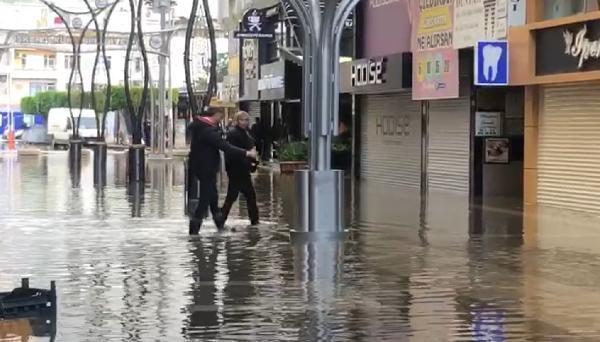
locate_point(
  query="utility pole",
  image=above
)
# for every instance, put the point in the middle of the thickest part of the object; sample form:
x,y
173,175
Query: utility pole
x,y
158,139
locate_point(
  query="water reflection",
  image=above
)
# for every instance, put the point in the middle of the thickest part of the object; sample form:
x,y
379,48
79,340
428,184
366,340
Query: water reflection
x,y
411,270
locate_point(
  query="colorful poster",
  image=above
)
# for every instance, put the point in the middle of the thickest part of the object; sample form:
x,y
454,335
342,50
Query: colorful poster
x,y
433,25
435,62
435,74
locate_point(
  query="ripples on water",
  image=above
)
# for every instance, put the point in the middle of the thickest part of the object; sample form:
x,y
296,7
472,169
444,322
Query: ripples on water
x,y
127,271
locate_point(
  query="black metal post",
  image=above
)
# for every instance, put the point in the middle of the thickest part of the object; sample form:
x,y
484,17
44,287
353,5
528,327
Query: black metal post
x,y
100,149
136,166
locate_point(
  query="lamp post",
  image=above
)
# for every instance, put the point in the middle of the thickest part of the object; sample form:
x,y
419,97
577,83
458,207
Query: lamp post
x,y
320,189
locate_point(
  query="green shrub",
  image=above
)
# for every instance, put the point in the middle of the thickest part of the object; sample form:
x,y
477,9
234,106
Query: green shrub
x,y
294,151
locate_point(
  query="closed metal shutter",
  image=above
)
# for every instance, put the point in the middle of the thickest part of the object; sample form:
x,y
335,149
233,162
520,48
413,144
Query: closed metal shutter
x,y
448,156
568,157
254,110
391,140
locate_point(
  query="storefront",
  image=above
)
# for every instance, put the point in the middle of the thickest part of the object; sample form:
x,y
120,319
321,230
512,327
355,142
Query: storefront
x,y
562,115
390,122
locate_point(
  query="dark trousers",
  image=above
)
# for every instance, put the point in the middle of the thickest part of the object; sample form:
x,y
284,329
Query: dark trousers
x,y
241,183
209,197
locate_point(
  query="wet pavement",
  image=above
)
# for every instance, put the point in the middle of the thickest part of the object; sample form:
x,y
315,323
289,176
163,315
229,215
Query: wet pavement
x,y
410,271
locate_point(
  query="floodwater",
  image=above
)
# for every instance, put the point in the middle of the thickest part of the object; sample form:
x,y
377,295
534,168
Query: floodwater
x,y
409,271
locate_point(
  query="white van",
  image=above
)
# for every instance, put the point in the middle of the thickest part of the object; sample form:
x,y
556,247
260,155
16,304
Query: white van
x,y
60,127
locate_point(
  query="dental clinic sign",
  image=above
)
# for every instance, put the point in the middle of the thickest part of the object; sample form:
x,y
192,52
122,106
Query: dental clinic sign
x,y
491,63
569,48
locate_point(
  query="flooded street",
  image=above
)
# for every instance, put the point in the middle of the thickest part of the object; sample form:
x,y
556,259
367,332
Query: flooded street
x,y
126,270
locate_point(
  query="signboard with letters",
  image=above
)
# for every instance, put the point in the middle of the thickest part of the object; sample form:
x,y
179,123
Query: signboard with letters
x,y
271,84
488,124
378,74
476,20
491,63
255,26
568,48
435,61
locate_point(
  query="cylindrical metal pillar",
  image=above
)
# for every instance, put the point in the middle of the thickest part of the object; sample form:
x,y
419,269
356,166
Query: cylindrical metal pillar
x,y
75,148
136,163
100,149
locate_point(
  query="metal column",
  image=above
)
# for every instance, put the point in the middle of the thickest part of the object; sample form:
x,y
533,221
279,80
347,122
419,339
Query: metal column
x,y
320,189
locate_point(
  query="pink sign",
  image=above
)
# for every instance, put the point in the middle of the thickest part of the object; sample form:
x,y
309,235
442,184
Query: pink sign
x,y
386,27
435,74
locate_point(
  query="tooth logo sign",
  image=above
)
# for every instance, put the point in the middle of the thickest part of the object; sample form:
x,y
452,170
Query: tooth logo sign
x,y
491,58
491,64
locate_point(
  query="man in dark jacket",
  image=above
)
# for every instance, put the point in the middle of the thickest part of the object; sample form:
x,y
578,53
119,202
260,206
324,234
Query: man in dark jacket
x,y
239,170
204,163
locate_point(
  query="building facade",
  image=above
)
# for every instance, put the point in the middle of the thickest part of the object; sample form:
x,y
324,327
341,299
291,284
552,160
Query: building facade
x,y
555,56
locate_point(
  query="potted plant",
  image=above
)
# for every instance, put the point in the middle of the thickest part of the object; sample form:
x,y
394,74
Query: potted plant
x,y
293,156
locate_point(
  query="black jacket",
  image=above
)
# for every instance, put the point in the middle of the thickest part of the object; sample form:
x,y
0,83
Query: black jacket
x,y
240,138
204,157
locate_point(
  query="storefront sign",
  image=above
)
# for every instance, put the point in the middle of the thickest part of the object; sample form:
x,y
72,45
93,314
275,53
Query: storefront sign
x,y
392,126
255,26
371,71
435,74
376,74
579,46
272,82
435,61
434,25
250,70
569,48
476,20
488,124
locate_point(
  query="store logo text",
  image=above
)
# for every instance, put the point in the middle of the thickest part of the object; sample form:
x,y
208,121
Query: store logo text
x,y
368,73
581,47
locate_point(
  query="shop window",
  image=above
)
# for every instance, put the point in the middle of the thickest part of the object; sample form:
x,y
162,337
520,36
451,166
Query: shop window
x,y
563,8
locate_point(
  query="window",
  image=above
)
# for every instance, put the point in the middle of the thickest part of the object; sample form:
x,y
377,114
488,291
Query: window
x,y
49,61
23,58
69,62
563,8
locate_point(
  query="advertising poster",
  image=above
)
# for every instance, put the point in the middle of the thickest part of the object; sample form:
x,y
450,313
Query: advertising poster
x,y
385,28
435,61
435,74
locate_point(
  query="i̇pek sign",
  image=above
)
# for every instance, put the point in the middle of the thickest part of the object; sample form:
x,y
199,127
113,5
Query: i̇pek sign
x,y
568,48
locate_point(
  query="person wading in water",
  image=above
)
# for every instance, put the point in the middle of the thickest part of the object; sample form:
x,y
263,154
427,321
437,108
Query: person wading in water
x,y
204,163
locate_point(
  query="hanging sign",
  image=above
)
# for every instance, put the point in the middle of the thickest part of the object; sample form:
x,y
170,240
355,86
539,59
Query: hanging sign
x,y
255,26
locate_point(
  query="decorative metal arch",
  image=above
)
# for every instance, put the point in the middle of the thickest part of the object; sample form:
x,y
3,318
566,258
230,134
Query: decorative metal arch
x,y
76,49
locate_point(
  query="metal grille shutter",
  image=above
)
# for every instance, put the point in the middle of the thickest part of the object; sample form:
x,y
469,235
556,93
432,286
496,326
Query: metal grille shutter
x,y
254,110
448,156
568,157
391,160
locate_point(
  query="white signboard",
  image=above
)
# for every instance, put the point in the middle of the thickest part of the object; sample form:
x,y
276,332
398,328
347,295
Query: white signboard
x,y
488,124
476,20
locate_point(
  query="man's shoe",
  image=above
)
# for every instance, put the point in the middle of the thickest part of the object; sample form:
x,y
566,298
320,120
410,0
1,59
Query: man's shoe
x,y
195,225
219,221
254,223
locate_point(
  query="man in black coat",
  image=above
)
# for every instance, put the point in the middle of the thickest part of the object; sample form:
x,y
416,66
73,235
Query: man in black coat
x,y
239,170
205,161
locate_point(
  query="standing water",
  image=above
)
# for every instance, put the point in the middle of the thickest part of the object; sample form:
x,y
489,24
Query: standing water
x,y
409,271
